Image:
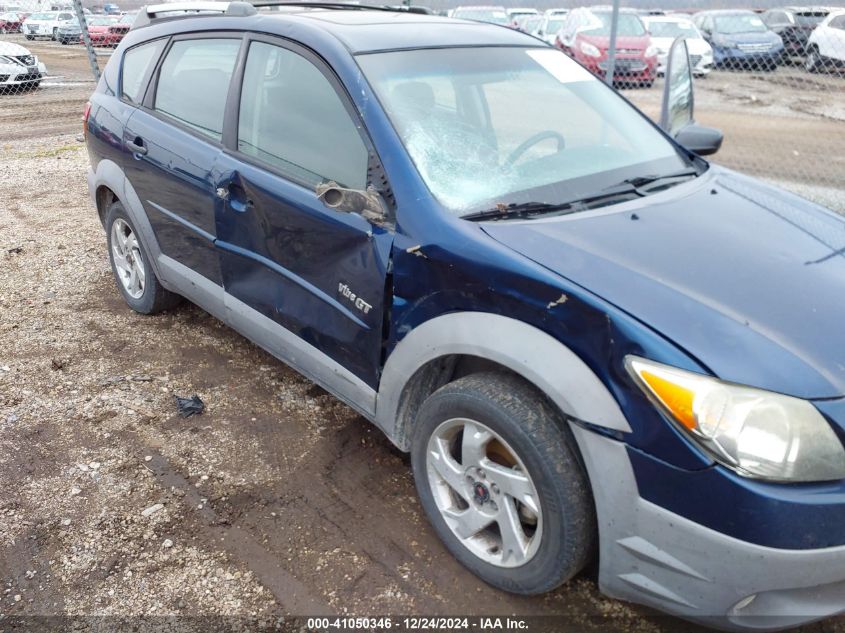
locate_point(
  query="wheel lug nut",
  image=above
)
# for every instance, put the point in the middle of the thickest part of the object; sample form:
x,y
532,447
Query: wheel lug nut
x,y
481,474
494,488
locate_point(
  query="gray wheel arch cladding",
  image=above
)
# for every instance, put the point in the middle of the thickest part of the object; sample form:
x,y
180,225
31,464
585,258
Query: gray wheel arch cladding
x,y
529,352
110,174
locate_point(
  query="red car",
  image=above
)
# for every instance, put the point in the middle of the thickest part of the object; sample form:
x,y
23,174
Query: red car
x,y
107,31
585,36
10,22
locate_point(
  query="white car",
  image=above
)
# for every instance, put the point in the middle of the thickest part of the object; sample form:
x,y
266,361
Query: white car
x,y
45,24
19,68
551,25
665,29
826,45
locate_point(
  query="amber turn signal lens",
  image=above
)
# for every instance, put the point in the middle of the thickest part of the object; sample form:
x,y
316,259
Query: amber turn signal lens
x,y
674,397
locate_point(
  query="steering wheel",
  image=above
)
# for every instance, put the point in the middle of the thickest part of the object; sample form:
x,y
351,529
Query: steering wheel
x,y
530,142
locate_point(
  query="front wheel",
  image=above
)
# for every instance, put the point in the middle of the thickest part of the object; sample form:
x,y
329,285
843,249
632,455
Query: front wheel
x,y
29,37
497,474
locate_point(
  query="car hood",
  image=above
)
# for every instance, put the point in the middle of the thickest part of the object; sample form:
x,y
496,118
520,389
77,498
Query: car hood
x,y
639,42
747,278
12,49
695,45
753,37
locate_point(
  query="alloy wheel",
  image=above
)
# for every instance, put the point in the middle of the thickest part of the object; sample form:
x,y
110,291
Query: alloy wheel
x,y
126,254
484,492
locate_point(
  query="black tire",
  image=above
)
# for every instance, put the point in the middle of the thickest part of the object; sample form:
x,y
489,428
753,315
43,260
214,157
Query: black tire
x,y
523,417
64,41
155,297
55,33
813,61
29,37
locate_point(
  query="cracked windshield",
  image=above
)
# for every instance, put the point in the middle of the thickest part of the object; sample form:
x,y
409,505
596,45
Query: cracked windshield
x,y
504,126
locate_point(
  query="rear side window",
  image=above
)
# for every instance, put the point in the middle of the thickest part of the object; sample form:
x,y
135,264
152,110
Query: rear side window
x,y
194,81
292,118
137,63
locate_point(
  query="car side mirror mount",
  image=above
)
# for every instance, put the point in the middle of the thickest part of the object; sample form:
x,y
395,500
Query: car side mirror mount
x,y
368,203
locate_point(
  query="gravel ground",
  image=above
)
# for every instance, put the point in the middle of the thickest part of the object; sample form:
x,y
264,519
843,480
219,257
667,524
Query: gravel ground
x,y
277,500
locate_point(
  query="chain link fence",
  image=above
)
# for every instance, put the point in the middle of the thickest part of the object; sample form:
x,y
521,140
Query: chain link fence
x,y
771,77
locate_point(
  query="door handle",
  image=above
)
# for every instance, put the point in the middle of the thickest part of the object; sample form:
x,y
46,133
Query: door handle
x,y
137,146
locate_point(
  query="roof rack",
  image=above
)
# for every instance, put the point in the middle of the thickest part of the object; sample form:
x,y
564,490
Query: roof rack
x,y
172,9
321,5
238,8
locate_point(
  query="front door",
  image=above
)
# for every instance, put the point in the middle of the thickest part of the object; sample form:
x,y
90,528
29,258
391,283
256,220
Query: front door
x,y
317,272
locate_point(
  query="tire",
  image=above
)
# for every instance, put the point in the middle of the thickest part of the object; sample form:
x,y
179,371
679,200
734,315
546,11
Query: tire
x,y
63,41
529,435
29,37
149,297
813,62
55,33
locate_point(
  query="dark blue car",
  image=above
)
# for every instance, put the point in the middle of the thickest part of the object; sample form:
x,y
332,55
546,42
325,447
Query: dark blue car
x,y
594,344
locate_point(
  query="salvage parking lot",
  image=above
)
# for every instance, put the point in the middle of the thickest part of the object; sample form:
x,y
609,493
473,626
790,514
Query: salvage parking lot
x,y
278,499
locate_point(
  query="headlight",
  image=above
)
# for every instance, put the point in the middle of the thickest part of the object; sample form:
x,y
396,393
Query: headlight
x,y
652,51
589,50
757,433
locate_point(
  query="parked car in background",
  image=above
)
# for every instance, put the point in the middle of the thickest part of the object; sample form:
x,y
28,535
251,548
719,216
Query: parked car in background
x,y
585,36
491,14
529,23
111,9
515,13
70,32
740,39
10,22
665,29
46,24
108,31
19,68
826,44
551,25
794,25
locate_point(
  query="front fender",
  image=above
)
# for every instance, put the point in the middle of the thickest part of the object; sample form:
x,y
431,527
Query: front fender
x,y
525,350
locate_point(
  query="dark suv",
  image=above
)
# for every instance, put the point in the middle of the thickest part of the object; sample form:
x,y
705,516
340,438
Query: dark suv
x,y
794,25
591,341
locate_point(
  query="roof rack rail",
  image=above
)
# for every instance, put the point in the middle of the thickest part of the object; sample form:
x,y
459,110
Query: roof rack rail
x,y
316,4
172,9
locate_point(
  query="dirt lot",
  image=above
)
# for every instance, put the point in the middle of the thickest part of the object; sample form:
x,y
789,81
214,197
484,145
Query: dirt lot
x,y
277,499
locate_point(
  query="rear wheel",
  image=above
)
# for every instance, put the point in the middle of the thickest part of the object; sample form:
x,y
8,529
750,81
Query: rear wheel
x,y
813,62
497,474
130,263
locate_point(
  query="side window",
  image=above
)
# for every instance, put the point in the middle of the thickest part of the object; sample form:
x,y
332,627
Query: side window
x,y
292,118
136,65
194,81
838,23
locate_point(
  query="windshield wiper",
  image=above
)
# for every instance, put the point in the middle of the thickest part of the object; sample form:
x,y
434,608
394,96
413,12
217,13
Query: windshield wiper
x,y
636,183
628,187
530,209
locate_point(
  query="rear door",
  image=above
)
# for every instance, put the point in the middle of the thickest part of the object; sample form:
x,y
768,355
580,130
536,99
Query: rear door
x,y
317,272
174,144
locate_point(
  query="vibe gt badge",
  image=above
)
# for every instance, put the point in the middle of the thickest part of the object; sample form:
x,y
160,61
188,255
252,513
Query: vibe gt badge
x,y
357,301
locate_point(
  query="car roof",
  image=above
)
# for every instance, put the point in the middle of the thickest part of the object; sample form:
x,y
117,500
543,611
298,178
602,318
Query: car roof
x,y
728,12
364,31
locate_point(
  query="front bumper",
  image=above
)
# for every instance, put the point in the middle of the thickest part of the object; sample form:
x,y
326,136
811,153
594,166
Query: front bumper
x,y
655,557
625,69
701,64
735,56
14,75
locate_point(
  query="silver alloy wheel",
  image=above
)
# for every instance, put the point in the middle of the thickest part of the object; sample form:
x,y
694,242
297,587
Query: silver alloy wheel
x,y
126,255
484,492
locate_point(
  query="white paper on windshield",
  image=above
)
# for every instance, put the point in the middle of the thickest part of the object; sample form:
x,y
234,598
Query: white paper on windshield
x,y
560,66
756,21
